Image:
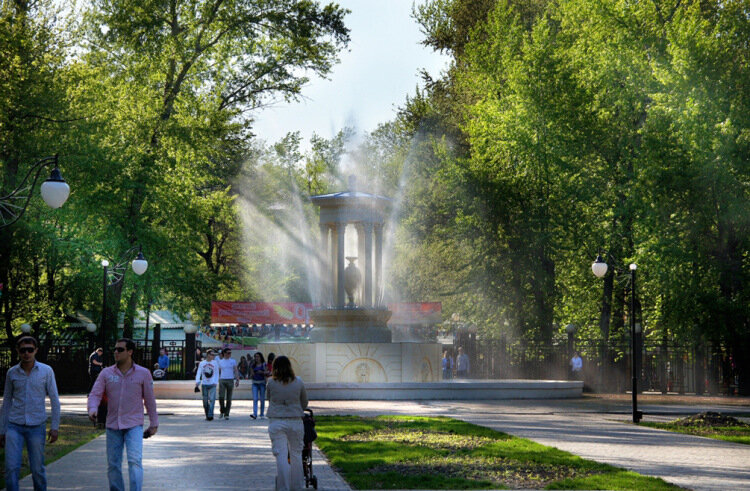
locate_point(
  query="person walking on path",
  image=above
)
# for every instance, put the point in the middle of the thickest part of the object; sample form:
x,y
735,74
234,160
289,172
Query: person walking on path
x,y
229,378
164,362
576,366
447,365
207,377
23,416
128,387
258,374
96,363
287,403
462,364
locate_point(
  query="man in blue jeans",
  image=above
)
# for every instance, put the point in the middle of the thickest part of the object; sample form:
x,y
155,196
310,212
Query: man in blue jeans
x,y
23,417
128,387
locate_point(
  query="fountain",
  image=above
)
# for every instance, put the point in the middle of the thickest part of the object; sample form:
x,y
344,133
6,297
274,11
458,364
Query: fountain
x,y
351,353
351,342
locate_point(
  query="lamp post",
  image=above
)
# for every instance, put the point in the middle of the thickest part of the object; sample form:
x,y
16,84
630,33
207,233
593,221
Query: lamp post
x,y
571,330
190,331
599,267
91,328
55,192
114,276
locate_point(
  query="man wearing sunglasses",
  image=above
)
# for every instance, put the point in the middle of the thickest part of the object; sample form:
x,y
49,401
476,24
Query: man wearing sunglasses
x,y
229,378
128,387
23,417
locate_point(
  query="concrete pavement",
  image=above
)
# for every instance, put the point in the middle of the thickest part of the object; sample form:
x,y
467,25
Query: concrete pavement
x,y
191,453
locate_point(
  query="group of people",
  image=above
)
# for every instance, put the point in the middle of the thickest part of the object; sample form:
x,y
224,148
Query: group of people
x,y
224,373
273,380
460,366
128,387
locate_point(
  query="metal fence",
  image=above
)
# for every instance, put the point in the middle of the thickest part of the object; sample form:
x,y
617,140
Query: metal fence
x,y
70,362
662,367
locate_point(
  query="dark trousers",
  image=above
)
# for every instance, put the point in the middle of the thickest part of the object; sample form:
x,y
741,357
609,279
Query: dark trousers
x,y
226,387
92,378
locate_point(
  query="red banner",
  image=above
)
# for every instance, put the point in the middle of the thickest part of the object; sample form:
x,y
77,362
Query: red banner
x,y
260,312
299,313
416,313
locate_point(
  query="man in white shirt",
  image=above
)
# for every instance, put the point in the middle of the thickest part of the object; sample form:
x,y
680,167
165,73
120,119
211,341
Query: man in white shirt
x,y
229,378
207,376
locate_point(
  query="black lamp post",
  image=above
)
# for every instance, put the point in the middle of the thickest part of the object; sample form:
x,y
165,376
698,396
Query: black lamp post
x,y
599,267
55,192
114,276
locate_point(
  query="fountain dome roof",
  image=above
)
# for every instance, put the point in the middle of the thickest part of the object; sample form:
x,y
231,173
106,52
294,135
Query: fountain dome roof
x,y
352,206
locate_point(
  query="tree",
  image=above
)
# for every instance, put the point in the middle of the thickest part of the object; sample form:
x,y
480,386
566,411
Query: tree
x,y
176,82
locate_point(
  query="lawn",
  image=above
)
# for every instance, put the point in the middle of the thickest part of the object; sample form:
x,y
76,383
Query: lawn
x,y
405,452
74,432
710,425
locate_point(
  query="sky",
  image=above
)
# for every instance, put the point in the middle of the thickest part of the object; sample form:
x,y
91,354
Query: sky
x,y
378,70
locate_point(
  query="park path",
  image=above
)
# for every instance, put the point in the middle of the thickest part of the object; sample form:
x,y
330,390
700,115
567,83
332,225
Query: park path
x,y
191,453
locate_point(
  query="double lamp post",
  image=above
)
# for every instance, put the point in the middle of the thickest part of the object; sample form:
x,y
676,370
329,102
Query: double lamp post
x,y
113,277
599,267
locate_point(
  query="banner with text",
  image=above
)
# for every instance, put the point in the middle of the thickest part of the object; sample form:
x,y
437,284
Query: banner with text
x,y
260,312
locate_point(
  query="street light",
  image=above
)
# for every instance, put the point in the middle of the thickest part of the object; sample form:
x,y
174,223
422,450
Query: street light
x,y
55,192
114,276
599,267
25,328
190,331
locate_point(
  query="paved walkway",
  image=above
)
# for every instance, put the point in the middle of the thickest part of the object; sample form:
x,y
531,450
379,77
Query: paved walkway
x,y
190,453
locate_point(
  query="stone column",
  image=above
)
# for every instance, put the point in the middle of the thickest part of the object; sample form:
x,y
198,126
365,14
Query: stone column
x,y
325,268
340,292
361,260
333,271
378,263
368,300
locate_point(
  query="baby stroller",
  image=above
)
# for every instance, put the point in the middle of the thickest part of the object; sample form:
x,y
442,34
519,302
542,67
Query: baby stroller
x,y
310,435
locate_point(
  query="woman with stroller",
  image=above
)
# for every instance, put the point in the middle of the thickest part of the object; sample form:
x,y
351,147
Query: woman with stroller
x,y
287,402
258,374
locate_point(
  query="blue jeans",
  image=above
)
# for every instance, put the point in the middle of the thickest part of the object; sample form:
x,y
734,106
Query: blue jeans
x,y
132,438
209,399
259,392
33,437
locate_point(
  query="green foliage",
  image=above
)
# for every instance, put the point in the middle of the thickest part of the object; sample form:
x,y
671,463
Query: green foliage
x,y
567,129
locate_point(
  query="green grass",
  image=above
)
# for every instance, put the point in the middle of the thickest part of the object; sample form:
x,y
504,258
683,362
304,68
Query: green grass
x,y
74,432
406,452
736,434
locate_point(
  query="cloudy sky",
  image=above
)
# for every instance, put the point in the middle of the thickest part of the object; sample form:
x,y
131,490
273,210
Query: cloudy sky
x,y
374,76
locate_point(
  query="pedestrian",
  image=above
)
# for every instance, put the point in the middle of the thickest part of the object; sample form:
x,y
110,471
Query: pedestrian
x,y
576,366
229,378
128,387
462,364
258,373
243,368
96,363
198,360
23,416
208,377
269,365
447,365
287,403
164,361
